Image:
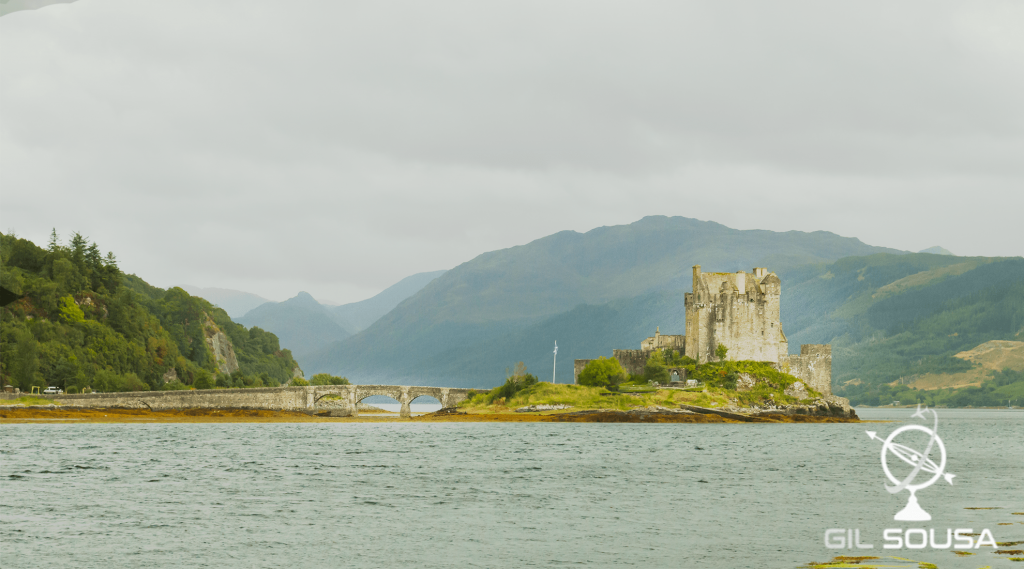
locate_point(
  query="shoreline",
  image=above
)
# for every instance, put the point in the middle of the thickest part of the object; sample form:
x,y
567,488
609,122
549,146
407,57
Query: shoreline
x,y
51,415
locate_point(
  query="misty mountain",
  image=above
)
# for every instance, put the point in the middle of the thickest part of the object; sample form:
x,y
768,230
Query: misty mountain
x,y
302,324
235,302
464,327
360,315
936,251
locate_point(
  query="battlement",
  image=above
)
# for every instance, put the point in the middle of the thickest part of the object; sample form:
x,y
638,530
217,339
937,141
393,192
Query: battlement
x,y
816,350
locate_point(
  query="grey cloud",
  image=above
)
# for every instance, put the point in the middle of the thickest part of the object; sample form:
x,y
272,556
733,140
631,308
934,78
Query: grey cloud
x,y
338,147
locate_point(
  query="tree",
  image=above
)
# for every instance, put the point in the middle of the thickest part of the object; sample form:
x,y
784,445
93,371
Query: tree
x,y
78,249
655,369
223,380
54,244
299,382
25,366
67,276
203,380
602,372
721,351
70,311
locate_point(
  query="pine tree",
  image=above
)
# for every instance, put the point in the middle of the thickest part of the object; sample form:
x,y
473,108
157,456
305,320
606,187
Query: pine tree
x,y
93,257
78,246
54,245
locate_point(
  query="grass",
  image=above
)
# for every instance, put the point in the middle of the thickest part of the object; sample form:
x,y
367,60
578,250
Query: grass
x,y
719,378
582,398
28,400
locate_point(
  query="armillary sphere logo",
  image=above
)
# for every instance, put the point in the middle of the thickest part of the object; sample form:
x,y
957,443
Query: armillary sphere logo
x,y
920,461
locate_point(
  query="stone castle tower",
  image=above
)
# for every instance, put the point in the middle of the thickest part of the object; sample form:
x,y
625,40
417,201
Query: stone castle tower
x,y
738,310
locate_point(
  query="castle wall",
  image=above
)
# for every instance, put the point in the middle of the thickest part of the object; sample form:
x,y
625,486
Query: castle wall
x,y
633,361
813,366
736,310
661,341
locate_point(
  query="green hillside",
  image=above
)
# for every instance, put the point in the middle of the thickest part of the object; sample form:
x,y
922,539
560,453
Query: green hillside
x,y
887,316
81,322
890,317
487,301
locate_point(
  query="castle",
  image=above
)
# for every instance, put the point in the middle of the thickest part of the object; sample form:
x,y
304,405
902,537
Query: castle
x,y
740,311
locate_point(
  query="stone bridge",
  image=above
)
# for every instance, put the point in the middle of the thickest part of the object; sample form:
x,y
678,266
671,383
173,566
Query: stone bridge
x,y
338,400
343,400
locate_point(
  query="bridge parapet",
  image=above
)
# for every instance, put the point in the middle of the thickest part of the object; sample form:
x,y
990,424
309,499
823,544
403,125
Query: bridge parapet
x,y
351,395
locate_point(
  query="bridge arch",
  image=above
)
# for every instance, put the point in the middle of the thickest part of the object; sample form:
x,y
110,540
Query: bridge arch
x,y
404,394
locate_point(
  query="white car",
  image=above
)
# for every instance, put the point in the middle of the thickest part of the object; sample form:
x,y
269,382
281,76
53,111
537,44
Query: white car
x,y
53,390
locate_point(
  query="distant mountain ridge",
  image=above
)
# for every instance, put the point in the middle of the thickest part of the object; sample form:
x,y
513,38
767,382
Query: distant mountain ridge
x,y
460,328
936,251
360,315
304,325
301,323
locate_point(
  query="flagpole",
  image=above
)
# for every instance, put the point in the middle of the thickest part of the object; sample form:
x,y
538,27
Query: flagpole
x,y
554,364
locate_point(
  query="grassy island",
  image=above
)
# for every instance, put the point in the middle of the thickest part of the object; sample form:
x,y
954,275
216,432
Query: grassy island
x,y
727,390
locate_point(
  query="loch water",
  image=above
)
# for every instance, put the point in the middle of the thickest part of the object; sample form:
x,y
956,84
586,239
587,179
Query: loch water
x,y
409,494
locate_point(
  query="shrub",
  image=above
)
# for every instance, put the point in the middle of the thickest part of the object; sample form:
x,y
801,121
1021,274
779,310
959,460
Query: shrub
x,y
721,351
655,370
328,379
512,385
223,380
299,382
602,372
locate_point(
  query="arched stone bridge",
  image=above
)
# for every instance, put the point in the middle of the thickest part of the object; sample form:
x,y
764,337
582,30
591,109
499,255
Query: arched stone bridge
x,y
343,400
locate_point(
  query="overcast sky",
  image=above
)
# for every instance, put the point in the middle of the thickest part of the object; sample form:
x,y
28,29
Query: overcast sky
x,y
336,147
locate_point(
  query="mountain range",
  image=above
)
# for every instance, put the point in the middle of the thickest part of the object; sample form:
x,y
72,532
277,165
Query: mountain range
x,y
305,325
592,292
890,315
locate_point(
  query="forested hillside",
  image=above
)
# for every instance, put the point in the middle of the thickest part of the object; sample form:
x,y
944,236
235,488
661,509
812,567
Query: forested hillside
x,y
895,318
80,322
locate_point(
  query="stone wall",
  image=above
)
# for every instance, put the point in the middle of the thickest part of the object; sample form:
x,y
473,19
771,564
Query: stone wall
x,y
277,398
813,366
633,361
